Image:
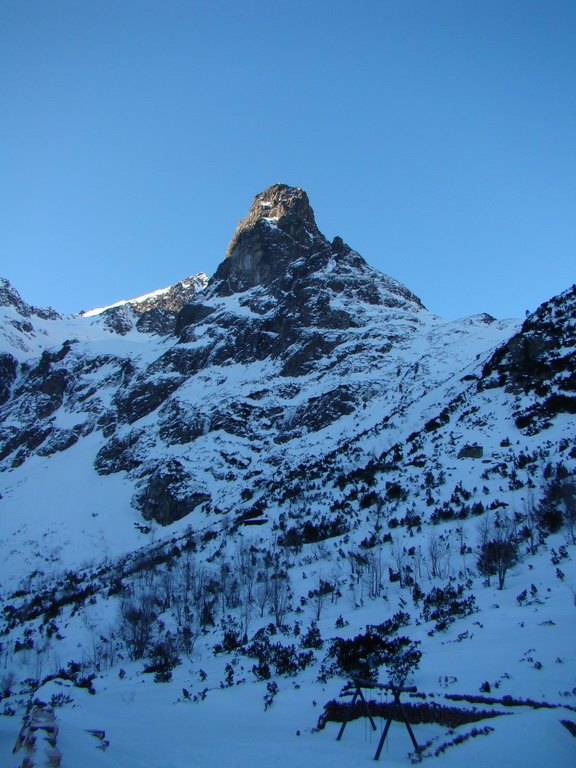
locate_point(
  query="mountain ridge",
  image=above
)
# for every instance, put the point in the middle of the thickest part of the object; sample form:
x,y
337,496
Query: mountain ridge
x,y
315,341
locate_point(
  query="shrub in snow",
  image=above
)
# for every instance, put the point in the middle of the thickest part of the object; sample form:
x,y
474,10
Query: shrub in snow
x,y
164,658
378,646
417,594
136,627
496,557
232,637
521,598
312,638
498,548
282,659
60,699
272,689
313,532
6,682
395,492
445,605
73,673
558,505
229,681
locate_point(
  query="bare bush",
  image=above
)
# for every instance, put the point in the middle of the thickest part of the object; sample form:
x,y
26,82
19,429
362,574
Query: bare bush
x,y
498,549
262,592
374,573
279,595
438,552
136,624
357,561
6,684
320,594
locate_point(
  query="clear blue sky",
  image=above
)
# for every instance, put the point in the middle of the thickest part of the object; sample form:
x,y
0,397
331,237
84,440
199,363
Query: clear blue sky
x,y
437,137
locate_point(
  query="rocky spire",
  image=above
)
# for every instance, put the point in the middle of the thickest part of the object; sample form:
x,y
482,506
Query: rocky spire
x,y
279,228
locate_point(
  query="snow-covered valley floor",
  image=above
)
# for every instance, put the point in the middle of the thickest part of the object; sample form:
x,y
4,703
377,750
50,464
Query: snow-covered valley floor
x,y
524,651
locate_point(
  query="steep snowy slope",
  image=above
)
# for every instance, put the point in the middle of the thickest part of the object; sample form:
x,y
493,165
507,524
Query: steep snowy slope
x,y
295,346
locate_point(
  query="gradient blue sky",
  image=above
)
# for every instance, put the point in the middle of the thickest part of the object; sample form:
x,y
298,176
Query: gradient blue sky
x,y
436,137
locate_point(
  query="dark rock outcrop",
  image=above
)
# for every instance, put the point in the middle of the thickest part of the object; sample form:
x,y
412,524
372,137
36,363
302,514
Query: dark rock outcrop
x,y
9,297
156,313
270,242
144,397
279,228
180,423
471,452
119,320
318,412
60,440
8,371
539,360
168,494
120,454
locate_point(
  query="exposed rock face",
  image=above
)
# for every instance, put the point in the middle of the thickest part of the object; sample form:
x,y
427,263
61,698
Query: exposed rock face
x,y
9,297
8,369
543,347
319,412
296,294
22,326
120,454
278,229
155,313
539,360
471,452
145,396
172,299
119,320
168,494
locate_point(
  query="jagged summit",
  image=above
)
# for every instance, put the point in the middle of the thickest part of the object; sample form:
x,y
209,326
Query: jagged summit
x,y
279,245
290,277
287,208
279,228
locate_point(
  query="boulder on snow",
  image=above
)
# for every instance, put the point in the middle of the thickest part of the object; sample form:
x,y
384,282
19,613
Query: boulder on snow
x,y
471,452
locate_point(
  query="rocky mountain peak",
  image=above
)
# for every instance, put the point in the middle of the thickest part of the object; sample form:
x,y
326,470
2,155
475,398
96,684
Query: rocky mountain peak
x,y
9,297
280,205
300,279
279,228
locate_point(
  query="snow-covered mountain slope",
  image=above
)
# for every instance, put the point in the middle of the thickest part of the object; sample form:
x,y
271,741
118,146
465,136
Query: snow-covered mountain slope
x,y
26,331
295,440
154,312
314,348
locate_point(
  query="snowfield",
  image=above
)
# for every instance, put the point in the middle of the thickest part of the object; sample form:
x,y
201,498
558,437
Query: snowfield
x,y
152,725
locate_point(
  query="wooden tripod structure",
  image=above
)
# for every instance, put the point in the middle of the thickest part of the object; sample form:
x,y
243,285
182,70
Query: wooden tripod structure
x,y
397,709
